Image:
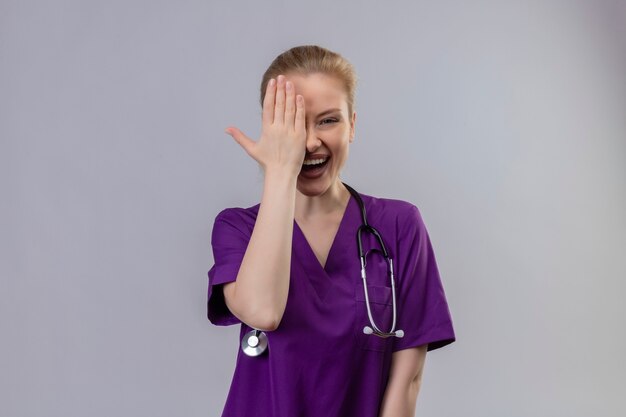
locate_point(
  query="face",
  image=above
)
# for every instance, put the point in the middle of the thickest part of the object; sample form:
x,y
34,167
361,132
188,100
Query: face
x,y
329,128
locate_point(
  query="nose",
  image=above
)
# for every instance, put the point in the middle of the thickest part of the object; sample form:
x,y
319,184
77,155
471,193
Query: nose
x,y
312,141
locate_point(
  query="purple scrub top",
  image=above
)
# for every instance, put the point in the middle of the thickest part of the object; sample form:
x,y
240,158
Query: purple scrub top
x,y
318,361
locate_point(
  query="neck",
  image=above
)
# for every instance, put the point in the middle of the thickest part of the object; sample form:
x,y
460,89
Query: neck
x,y
330,202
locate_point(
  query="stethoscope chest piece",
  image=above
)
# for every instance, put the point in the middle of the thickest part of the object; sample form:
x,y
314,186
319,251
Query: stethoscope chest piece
x,y
254,343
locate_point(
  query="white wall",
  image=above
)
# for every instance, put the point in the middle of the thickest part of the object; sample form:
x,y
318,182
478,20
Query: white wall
x,y
503,121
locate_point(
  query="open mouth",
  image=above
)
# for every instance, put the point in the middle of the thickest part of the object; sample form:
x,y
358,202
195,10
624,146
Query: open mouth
x,y
313,167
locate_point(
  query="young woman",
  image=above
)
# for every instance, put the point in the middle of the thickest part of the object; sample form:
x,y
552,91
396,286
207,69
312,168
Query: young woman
x,y
316,338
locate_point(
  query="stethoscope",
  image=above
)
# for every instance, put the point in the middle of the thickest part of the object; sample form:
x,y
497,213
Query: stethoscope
x,y
255,343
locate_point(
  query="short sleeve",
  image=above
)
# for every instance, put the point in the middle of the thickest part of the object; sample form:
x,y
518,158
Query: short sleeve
x,y
422,308
229,241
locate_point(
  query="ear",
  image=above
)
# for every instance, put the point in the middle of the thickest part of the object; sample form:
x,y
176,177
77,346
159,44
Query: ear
x,y
352,123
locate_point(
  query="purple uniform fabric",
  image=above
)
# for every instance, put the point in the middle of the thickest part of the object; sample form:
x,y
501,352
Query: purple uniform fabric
x,y
319,362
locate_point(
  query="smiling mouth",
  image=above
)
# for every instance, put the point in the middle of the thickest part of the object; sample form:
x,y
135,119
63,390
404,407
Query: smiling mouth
x,y
313,167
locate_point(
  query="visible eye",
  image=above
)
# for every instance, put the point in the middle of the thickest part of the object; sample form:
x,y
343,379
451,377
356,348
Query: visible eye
x,y
328,120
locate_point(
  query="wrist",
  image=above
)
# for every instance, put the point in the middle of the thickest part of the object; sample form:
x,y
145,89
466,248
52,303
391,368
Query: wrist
x,y
280,178
280,175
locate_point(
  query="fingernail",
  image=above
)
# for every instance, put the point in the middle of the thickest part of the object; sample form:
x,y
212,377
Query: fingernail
x,y
272,82
227,131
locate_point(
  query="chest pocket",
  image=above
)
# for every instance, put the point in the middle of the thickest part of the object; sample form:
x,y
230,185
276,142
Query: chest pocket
x,y
382,313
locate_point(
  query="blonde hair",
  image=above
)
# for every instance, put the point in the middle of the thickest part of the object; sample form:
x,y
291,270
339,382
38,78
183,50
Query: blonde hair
x,y
308,59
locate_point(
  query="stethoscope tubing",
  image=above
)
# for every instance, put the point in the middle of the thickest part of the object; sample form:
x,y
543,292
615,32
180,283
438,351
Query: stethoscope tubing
x,y
365,226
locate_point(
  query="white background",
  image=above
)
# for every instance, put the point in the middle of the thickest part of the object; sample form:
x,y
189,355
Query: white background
x,y
504,122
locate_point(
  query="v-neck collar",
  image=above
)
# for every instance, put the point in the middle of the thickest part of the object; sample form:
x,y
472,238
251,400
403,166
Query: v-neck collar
x,y
311,261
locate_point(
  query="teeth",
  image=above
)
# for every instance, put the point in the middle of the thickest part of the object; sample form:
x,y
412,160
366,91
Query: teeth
x,y
314,161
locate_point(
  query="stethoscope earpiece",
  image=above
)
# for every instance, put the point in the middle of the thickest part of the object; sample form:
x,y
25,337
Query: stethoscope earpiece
x,y
397,333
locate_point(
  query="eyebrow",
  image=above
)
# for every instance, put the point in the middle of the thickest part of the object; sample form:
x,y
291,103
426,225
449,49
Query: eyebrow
x,y
328,111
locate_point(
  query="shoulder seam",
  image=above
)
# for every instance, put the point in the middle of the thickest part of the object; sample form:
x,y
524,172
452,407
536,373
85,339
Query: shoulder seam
x,y
222,216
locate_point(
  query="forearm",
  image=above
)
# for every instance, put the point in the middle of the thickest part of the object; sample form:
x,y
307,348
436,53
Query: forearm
x,y
400,398
262,283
